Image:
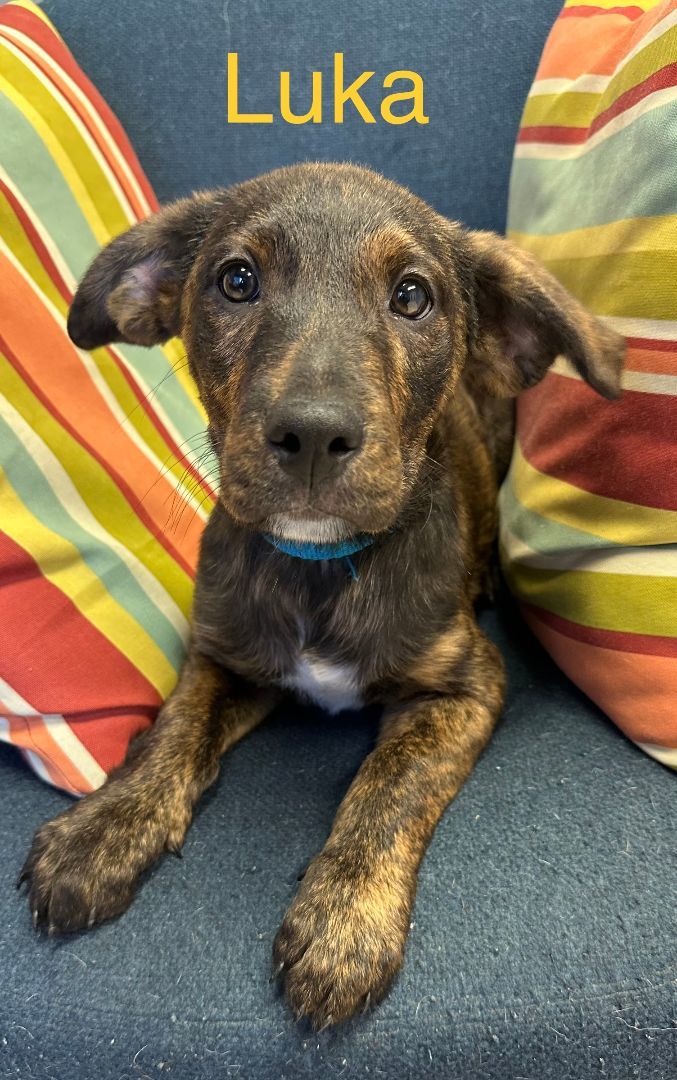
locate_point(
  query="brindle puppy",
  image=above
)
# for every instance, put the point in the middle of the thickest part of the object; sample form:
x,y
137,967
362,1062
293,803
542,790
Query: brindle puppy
x,y
349,345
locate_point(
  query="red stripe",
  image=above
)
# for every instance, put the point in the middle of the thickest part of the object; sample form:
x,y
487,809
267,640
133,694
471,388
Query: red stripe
x,y
45,36
621,450
40,250
107,733
621,641
53,656
658,80
651,344
106,465
552,133
584,12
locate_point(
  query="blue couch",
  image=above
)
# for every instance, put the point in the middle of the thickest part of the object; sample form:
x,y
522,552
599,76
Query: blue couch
x,y
543,940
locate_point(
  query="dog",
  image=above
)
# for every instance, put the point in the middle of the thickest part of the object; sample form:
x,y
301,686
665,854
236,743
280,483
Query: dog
x,y
356,354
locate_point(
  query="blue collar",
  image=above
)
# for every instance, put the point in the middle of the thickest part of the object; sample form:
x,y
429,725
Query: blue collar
x,y
342,549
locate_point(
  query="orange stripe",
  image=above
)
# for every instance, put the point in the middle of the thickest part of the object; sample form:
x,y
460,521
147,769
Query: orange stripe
x,y
655,361
637,692
572,48
30,733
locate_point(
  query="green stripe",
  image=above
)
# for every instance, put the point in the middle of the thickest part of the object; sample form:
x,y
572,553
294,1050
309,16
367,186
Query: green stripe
x,y
544,535
638,170
32,169
49,112
35,492
550,538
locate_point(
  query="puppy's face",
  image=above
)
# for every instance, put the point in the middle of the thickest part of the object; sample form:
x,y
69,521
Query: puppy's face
x,y
328,315
325,326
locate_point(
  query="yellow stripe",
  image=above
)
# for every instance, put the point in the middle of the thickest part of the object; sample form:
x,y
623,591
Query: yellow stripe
x,y
60,563
609,284
64,122
634,605
98,490
611,519
629,234
139,427
561,110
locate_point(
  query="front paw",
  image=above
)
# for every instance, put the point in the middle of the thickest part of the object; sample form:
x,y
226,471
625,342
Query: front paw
x,y
84,865
342,941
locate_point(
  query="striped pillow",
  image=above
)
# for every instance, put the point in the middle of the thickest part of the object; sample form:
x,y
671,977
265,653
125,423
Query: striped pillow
x,y
589,510
103,486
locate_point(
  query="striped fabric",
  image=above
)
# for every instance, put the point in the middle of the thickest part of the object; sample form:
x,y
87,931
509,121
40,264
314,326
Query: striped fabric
x,y
104,487
589,510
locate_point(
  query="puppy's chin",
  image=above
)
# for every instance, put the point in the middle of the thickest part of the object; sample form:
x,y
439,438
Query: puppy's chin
x,y
312,530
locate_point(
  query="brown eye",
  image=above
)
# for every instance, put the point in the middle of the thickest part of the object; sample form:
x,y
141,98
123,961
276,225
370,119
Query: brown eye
x,y
238,282
411,299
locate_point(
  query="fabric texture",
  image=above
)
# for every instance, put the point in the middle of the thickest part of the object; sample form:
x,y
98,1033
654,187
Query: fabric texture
x,y
543,933
104,482
589,511
162,69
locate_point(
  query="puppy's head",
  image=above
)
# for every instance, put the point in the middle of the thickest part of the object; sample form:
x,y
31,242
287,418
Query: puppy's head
x,y
328,315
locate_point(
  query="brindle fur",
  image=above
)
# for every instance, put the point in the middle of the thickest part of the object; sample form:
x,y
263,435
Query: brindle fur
x,y
330,243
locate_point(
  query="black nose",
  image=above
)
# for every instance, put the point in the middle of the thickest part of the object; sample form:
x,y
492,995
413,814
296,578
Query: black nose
x,y
313,439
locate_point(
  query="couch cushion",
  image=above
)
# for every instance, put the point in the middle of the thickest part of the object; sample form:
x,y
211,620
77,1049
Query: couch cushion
x,y
103,488
589,512
543,937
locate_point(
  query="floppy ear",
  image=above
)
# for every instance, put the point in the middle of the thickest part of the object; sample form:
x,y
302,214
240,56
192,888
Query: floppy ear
x,y
132,290
525,318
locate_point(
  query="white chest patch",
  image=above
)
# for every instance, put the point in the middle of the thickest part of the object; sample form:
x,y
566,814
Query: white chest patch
x,y
332,686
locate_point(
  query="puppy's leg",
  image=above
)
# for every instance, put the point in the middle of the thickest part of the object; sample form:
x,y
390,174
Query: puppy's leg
x,y
343,938
84,865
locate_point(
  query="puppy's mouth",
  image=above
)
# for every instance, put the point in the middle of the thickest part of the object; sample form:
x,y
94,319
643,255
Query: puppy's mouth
x,y
309,527
365,496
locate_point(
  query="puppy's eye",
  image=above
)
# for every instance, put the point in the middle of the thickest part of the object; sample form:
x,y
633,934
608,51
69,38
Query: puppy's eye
x,y
238,282
411,299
